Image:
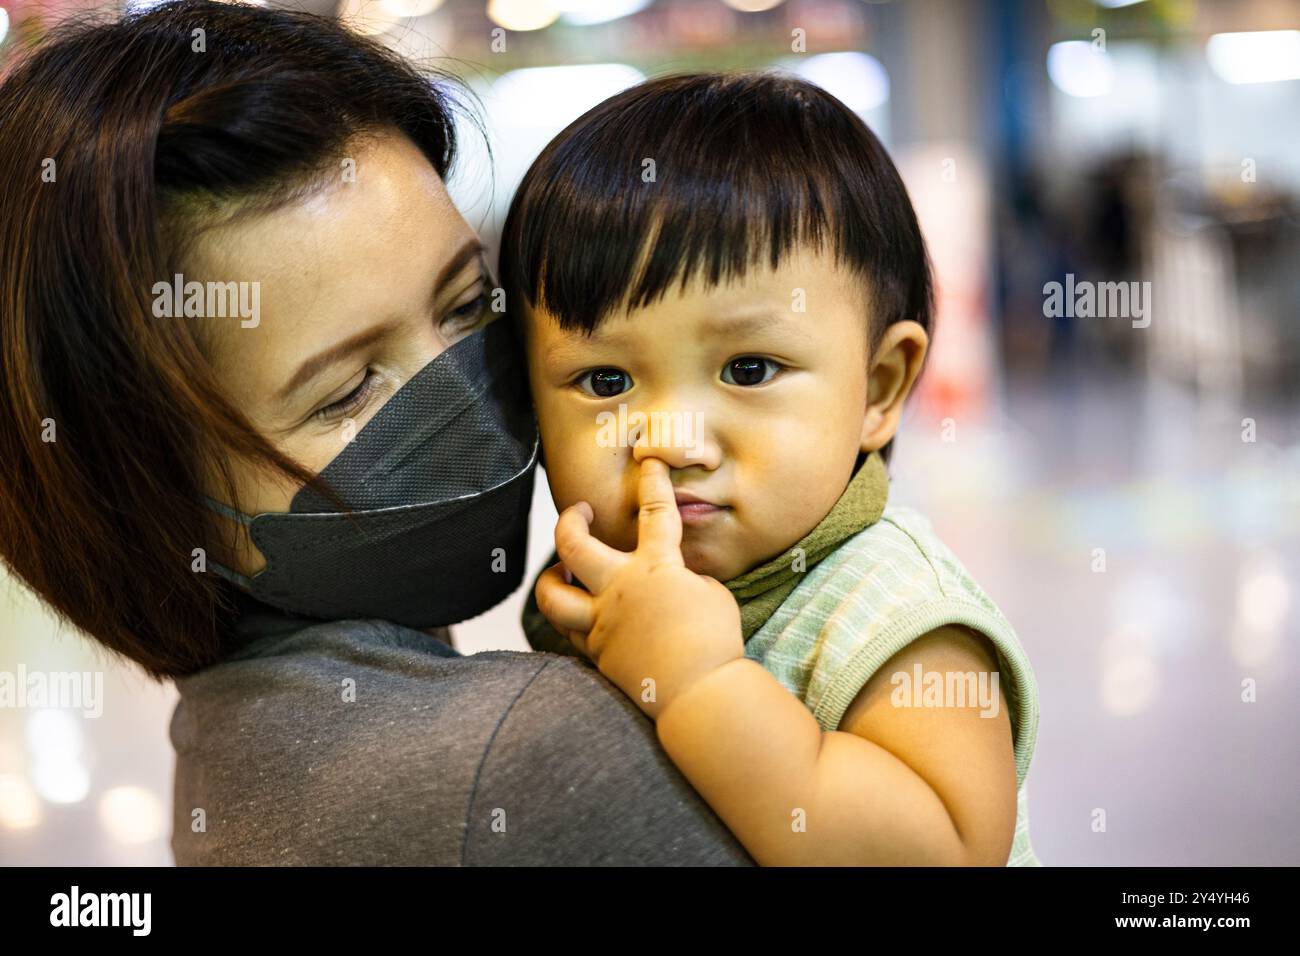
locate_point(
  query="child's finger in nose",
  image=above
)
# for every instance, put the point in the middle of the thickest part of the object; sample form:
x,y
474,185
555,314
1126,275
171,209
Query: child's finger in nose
x,y
659,526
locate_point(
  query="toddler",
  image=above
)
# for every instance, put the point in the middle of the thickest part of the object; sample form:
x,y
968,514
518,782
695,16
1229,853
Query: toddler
x,y
725,300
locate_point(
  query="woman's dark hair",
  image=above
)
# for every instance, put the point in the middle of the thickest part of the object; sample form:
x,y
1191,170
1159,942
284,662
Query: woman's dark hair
x,y
748,166
119,141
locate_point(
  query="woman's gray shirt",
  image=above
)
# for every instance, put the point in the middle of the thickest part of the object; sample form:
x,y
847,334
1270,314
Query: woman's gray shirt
x,y
366,743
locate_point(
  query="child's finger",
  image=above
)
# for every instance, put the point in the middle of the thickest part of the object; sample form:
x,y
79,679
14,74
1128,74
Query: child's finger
x,y
567,607
592,561
659,526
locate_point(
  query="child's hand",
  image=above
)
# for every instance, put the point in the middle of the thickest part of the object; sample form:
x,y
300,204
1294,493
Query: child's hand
x,y
651,625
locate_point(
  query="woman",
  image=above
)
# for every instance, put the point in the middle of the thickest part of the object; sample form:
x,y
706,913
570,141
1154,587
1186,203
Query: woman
x,y
258,438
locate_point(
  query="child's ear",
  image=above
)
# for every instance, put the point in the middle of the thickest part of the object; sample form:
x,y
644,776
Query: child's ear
x,y
895,365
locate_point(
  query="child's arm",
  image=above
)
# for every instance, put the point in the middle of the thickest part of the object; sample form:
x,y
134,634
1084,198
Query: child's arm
x,y
899,785
936,786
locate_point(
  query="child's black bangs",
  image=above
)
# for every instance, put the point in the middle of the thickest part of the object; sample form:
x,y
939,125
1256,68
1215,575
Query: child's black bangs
x,y
706,176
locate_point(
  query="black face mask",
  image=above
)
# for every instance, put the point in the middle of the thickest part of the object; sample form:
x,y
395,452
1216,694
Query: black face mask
x,y
440,480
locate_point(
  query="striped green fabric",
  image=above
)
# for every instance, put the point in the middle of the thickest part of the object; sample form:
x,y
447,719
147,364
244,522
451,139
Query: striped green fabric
x,y
884,587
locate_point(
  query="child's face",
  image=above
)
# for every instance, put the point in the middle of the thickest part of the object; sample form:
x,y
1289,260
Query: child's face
x,y
759,410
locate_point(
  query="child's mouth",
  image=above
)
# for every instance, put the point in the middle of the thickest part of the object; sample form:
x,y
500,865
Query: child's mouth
x,y
695,510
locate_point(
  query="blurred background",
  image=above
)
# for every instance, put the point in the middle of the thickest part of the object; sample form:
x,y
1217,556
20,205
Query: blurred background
x,y
1125,485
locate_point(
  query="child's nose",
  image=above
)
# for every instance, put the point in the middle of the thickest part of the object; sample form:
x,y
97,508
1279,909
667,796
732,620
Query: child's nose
x,y
678,439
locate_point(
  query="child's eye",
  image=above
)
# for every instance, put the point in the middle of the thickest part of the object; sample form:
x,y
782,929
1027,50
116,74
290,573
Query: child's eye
x,y
605,382
749,370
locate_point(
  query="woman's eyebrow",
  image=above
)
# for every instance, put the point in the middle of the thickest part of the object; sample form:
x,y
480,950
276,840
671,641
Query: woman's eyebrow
x,y
471,250
318,363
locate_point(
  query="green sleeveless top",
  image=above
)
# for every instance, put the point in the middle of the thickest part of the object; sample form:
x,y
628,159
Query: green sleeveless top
x,y
884,587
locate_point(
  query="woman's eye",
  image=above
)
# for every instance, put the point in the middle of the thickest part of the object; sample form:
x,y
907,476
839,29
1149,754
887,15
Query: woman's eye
x,y
605,382
350,403
749,370
467,315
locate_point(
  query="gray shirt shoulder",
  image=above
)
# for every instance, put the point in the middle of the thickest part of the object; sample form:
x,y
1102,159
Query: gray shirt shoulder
x,y
365,743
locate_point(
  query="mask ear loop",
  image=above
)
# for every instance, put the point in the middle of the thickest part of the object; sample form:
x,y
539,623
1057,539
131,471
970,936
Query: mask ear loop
x,y
227,512
234,577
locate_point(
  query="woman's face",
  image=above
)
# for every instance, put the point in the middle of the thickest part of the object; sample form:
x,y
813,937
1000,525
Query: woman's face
x,y
362,284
